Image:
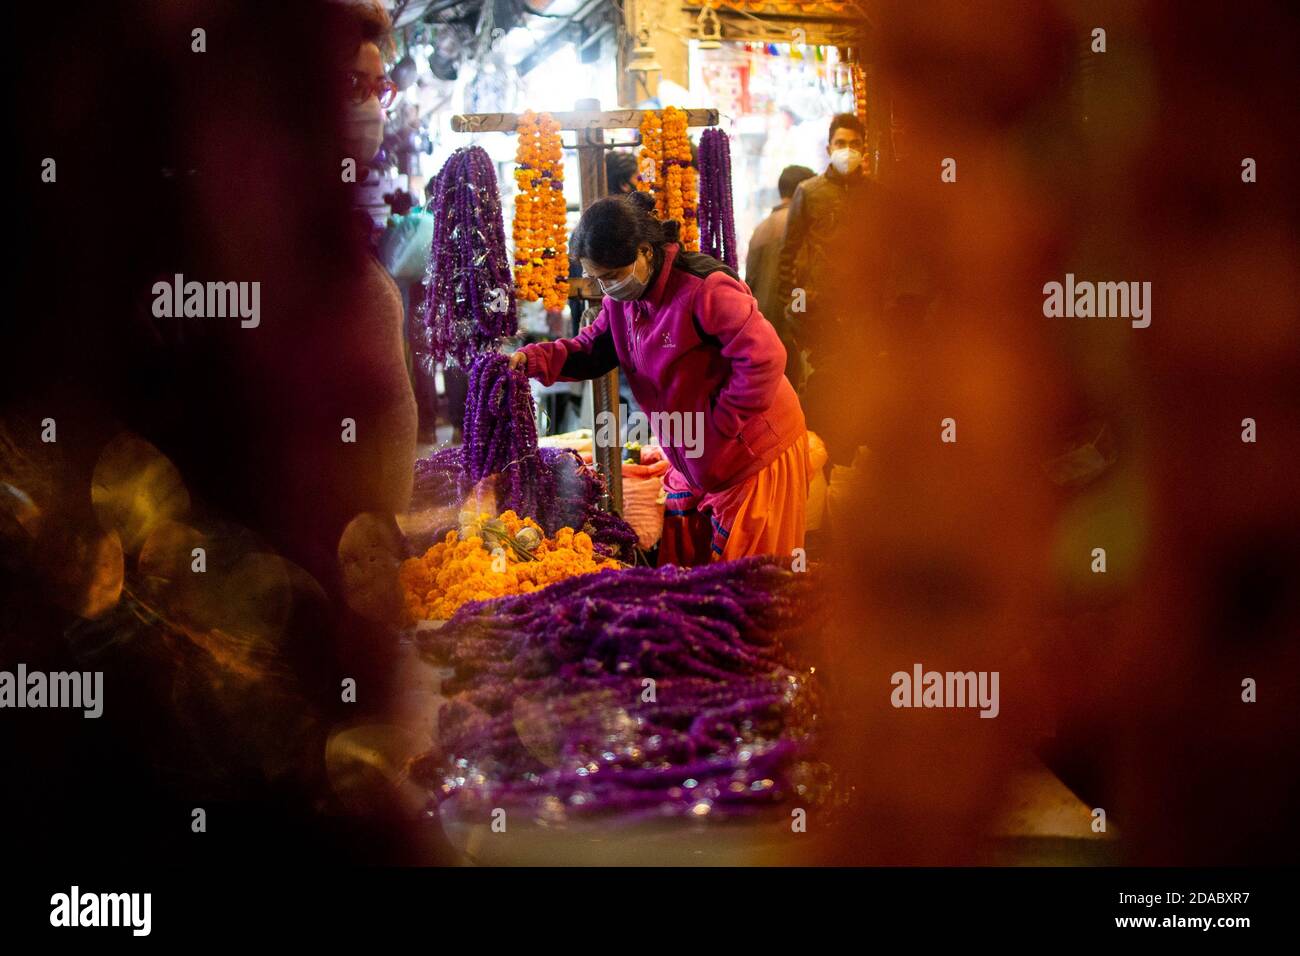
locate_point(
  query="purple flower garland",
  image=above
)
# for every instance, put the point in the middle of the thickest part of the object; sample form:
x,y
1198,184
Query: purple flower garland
x,y
470,298
547,708
716,216
469,307
501,434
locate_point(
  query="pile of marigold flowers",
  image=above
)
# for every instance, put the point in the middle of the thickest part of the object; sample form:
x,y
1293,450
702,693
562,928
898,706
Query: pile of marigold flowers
x,y
493,557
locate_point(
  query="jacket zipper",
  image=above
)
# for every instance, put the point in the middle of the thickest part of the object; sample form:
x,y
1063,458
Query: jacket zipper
x,y
636,339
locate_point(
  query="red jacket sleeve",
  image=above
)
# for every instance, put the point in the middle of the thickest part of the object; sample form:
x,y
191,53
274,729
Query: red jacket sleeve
x,y
589,354
726,310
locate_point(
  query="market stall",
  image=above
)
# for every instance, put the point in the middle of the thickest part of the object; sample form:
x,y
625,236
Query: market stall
x,y
573,687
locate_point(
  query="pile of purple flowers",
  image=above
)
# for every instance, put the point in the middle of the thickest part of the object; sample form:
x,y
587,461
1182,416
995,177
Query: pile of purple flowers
x,y
440,479
716,216
470,302
574,495
650,692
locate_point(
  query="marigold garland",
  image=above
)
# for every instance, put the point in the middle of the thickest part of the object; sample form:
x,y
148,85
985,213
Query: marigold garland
x,y
541,245
859,82
666,171
652,159
680,177
460,569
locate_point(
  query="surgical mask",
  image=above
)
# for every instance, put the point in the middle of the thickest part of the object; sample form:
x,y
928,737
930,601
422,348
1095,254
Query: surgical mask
x,y
846,160
627,288
365,129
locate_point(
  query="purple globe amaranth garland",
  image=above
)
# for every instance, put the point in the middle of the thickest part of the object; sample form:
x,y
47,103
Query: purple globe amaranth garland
x,y
470,299
501,434
468,308
716,216
548,707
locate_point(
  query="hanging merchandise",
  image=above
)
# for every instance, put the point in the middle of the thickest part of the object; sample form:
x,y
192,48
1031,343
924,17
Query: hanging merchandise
x,y
541,246
860,92
501,434
682,199
717,219
666,170
651,160
470,303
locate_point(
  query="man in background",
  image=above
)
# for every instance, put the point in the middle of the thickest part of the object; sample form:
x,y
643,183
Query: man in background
x,y
816,212
832,243
763,263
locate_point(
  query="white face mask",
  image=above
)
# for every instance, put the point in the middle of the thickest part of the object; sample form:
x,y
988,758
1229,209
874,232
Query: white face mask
x,y
365,129
846,160
627,288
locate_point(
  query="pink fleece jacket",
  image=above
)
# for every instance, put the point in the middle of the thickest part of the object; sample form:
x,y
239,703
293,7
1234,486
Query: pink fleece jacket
x,y
694,342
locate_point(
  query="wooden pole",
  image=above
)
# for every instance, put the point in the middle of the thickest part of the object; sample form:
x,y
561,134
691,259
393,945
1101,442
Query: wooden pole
x,y
604,390
581,119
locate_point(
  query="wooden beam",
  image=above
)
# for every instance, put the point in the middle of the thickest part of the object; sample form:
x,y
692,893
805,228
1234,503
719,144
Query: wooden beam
x,y
577,120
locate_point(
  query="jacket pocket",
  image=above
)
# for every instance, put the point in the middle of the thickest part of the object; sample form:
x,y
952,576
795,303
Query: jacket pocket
x,y
724,457
758,436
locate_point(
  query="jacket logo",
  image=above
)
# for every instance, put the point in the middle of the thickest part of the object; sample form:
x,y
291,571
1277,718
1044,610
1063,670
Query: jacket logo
x,y
668,341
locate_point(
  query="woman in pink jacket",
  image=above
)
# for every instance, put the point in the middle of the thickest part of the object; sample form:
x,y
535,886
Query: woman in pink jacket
x,y
706,367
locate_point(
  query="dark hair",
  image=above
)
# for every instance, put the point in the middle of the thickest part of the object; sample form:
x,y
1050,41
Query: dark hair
x,y
620,168
357,22
791,177
846,121
612,230
399,201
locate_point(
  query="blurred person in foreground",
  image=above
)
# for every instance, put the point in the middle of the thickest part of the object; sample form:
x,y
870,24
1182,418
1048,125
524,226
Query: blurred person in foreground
x,y
222,688
763,262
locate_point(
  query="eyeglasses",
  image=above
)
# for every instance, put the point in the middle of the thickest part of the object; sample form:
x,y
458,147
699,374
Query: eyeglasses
x,y
362,87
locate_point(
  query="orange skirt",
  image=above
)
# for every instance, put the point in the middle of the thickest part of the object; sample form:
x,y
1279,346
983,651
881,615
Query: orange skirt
x,y
764,514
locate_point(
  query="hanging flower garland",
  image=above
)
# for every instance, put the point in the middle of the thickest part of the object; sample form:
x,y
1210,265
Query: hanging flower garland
x,y
501,435
679,176
859,84
651,160
470,302
666,170
717,218
541,246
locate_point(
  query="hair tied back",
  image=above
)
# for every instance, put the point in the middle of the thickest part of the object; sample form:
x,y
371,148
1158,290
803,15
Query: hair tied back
x,y
643,201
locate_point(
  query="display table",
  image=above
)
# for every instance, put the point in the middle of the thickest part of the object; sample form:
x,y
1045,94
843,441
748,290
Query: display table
x,y
1042,824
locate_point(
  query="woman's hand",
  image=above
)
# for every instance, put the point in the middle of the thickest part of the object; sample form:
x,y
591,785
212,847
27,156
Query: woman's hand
x,y
519,361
